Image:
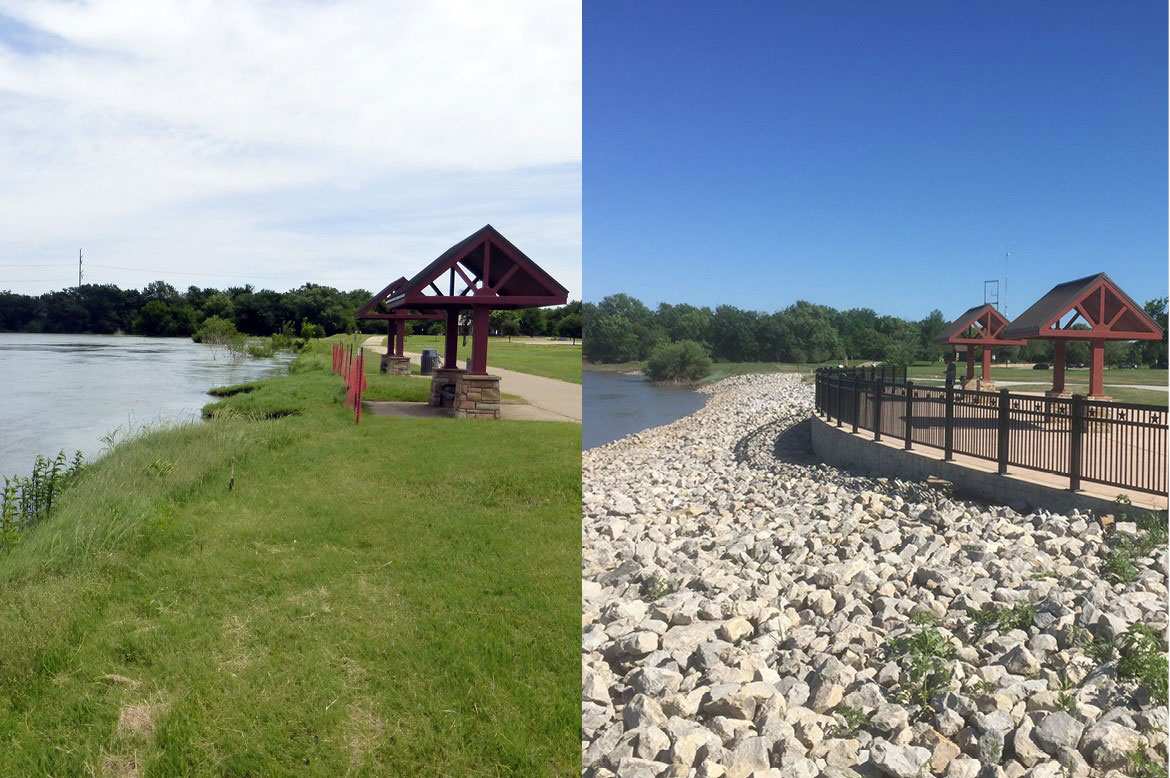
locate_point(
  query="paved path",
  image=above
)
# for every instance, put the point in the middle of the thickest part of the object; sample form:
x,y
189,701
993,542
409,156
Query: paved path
x,y
548,398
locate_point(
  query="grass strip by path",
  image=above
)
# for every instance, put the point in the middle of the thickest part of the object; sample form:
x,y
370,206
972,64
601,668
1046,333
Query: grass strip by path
x,y
562,362
387,598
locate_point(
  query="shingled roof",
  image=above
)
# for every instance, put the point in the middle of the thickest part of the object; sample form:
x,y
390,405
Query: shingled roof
x,y
1110,313
988,325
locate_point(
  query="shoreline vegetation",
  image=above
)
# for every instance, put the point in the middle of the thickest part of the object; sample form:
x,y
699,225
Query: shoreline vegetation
x,y
278,590
668,344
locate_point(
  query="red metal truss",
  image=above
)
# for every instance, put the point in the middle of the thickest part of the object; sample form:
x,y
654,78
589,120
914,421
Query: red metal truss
x,y
482,270
1099,304
1096,301
979,326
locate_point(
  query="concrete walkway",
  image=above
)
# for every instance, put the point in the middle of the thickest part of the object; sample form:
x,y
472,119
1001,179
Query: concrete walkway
x,y
548,399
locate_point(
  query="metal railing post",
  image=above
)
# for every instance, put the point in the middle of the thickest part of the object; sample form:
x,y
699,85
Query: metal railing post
x,y
856,404
1004,410
877,410
1076,429
838,402
949,426
909,414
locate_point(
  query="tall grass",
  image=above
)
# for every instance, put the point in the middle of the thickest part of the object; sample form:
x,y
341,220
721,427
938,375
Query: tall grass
x,y
29,500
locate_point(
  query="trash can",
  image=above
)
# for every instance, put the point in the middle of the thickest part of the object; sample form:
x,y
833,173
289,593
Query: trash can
x,y
430,360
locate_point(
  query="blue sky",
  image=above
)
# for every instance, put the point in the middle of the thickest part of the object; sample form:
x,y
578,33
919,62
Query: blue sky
x,y
216,143
877,155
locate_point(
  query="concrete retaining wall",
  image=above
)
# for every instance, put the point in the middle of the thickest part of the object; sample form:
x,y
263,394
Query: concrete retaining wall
x,y
854,452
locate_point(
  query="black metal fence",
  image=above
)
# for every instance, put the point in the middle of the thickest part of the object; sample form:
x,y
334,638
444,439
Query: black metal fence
x,y
1111,443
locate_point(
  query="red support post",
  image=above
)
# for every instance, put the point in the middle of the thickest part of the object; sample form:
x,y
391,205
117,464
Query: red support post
x,y
451,355
986,363
1097,368
1058,367
479,340
399,338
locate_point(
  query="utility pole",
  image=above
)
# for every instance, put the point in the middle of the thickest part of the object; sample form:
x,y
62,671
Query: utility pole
x,y
79,269
1005,269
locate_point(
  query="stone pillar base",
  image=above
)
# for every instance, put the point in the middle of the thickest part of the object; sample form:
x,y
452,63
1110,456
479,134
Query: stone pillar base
x,y
985,386
444,376
477,396
1065,395
970,384
395,365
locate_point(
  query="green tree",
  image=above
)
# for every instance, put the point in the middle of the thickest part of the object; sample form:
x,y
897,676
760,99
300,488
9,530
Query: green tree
x,y
684,360
510,327
609,338
570,327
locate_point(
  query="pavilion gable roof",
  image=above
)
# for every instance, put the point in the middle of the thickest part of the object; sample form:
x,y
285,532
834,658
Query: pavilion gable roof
x,y
484,268
1095,301
981,325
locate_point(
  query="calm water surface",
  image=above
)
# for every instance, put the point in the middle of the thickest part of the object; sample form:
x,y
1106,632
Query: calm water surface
x,y
616,405
69,391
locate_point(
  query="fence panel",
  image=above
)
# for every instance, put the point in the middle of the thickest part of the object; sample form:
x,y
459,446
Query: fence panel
x,y
976,426
1121,444
1124,445
1041,428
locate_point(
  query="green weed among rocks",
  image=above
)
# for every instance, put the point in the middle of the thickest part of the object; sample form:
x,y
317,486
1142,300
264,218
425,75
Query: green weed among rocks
x,y
1143,661
925,656
1001,619
854,719
1142,765
656,587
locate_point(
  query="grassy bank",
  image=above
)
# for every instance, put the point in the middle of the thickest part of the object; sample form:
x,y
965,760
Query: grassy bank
x,y
560,361
368,599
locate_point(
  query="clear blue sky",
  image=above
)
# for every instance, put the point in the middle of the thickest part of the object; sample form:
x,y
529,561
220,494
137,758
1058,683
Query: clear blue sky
x,y
877,155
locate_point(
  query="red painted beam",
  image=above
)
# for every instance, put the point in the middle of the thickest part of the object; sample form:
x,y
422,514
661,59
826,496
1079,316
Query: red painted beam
x,y
1058,367
451,355
1097,368
479,341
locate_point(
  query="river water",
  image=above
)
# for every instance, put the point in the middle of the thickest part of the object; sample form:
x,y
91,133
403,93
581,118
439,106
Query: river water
x,y
616,405
67,392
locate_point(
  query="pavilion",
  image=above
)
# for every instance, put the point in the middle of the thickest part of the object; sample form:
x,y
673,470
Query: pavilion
x,y
490,273
394,361
1096,301
981,326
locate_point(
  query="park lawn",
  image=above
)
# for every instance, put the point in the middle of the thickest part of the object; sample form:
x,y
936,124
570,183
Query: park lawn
x,y
1120,394
1143,376
560,361
387,598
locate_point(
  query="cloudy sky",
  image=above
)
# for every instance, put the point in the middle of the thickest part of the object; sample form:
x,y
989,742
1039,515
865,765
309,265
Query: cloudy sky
x,y
278,143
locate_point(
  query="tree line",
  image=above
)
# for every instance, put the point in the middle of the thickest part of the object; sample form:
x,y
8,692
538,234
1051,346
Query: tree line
x,y
160,309
620,328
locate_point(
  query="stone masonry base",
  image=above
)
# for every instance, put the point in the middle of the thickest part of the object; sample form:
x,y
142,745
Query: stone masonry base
x,y
441,377
395,365
477,396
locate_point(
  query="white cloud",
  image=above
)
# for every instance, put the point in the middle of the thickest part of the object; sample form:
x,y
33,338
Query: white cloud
x,y
351,140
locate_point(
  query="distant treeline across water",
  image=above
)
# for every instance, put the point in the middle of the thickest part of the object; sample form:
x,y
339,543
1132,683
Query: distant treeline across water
x,y
160,309
621,328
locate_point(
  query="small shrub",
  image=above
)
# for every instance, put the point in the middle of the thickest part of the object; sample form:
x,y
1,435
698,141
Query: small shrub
x,y
656,587
1143,660
924,656
682,361
853,720
1145,766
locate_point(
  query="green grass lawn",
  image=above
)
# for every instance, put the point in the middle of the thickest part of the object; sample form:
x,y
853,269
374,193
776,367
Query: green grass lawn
x,y
560,361
386,598
1143,376
1120,394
